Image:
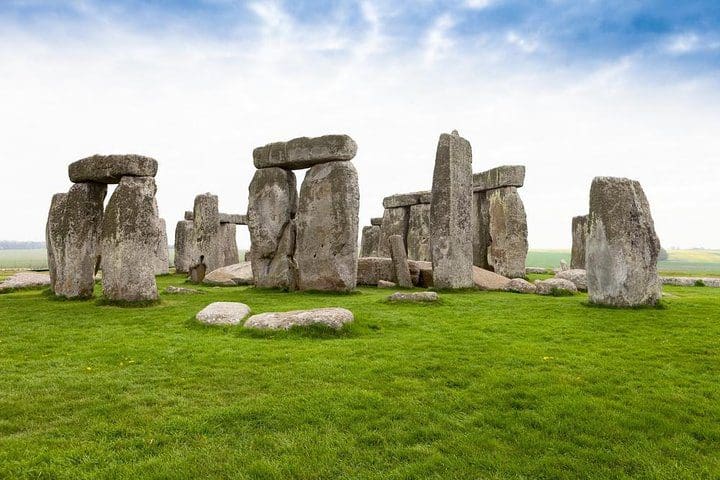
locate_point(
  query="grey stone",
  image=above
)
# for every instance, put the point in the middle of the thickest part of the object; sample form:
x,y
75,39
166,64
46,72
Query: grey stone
x,y
395,222
335,318
487,280
73,232
577,276
413,297
691,281
25,280
130,231
499,177
406,199
206,232
173,290
235,218
327,228
418,235
386,284
272,206
111,168
579,237
400,262
162,256
425,197
622,246
481,229
231,275
223,313
450,222
508,232
538,270
369,242
189,215
554,286
371,270
305,152
228,244
520,285
184,246
376,222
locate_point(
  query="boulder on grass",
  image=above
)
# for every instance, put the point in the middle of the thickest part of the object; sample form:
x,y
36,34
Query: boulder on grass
x,y
413,297
487,280
230,276
25,280
520,285
555,286
334,318
577,276
223,313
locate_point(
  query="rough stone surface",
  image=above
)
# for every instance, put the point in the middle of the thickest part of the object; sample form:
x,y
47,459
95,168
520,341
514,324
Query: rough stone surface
x,y
228,244
540,270
395,222
130,231
520,285
376,222
184,246
327,228
487,280
418,235
450,219
386,284
554,285
400,261
508,233
577,276
335,318
189,215
172,289
413,297
73,236
25,280
231,275
162,256
406,199
481,229
111,168
371,270
499,177
369,242
305,152
223,313
235,218
622,246
691,281
272,206
206,223
579,237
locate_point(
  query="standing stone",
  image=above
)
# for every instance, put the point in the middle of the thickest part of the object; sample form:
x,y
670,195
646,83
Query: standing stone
x,y
508,233
369,242
579,237
272,205
206,220
73,230
130,231
481,229
162,259
418,235
400,261
228,244
450,222
622,246
184,246
395,222
327,228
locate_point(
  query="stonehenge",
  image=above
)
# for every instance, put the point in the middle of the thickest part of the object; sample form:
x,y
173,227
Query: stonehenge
x,y
407,215
579,237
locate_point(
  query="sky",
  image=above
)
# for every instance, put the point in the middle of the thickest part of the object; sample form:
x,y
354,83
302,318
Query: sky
x,y
570,89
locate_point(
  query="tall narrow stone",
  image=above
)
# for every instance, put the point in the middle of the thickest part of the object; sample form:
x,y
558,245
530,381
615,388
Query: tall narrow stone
x,y
184,246
228,243
481,229
622,246
450,222
418,235
130,231
272,206
508,232
55,236
327,228
206,220
400,261
369,242
579,237
395,222
162,260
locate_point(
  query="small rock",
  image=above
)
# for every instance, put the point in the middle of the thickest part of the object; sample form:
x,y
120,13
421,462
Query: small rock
x,y
25,280
577,276
487,280
386,284
182,290
334,318
236,274
554,285
520,285
223,313
413,297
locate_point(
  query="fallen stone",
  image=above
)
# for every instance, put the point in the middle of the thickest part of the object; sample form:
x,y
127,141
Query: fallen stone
x,y
418,234
231,275
25,280
487,280
172,289
499,177
508,232
406,199
386,284
305,152
111,168
369,241
413,297
554,286
538,270
579,237
376,222
400,262
395,222
184,246
223,313
520,285
335,318
691,281
577,276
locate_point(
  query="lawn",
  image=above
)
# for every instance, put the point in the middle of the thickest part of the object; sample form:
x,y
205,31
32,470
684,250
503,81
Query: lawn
x,y
484,385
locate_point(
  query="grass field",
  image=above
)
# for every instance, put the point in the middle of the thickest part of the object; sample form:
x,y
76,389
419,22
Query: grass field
x,y
484,385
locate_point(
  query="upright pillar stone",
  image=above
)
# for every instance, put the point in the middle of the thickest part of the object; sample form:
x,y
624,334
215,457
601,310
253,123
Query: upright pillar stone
x,y
418,235
130,232
327,228
622,246
184,246
206,220
272,206
508,232
579,237
396,221
162,257
481,229
450,222
370,240
55,236
400,261
228,242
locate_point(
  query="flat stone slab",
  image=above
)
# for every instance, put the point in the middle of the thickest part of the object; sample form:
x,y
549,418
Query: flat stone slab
x,y
407,199
414,297
552,285
487,280
691,281
376,222
305,152
577,276
386,284
25,280
231,275
223,313
236,218
498,177
334,318
172,289
111,168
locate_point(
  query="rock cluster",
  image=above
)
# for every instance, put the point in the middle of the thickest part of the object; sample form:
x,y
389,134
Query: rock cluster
x,y
307,242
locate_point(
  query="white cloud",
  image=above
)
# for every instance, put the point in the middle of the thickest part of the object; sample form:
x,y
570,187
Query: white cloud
x,y
690,42
479,4
437,39
523,43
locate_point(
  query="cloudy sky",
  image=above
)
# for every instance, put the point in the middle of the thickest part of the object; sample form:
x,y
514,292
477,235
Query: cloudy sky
x,y
570,88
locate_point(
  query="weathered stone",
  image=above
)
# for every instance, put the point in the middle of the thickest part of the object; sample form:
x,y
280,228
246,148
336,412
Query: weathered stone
x,y
481,229
228,244
327,228
371,270
499,177
162,256
554,286
184,246
335,318
577,276
691,281
272,205
198,271
425,197
400,262
425,273
579,237
563,266
487,280
386,284
450,222
223,313
406,199
538,270
418,235
305,152
111,168
173,290
376,222
130,231
189,215
206,223
231,275
395,222
508,232
73,232
235,218
520,285
622,246
24,280
369,241
413,297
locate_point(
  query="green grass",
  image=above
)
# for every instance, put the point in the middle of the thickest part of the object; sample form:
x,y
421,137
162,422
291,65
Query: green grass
x,y
484,385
